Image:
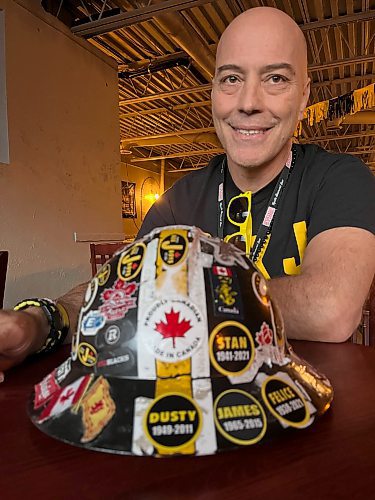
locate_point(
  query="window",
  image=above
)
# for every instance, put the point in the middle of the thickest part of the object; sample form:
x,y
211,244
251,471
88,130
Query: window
x,y
4,140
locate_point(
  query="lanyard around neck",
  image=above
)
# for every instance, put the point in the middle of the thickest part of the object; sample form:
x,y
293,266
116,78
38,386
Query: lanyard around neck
x,y
273,204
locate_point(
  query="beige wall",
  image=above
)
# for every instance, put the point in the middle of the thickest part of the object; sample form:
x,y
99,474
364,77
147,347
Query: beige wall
x,y
64,171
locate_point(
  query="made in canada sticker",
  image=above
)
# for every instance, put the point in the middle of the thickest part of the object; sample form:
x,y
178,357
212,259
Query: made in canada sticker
x,y
172,422
285,402
173,330
239,417
231,348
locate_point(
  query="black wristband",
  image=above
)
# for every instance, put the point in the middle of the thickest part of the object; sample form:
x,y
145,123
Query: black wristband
x,y
57,318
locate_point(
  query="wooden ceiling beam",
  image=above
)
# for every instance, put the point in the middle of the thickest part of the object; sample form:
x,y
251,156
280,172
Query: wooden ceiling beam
x,y
339,81
118,21
336,21
166,95
175,133
166,109
181,154
341,62
327,138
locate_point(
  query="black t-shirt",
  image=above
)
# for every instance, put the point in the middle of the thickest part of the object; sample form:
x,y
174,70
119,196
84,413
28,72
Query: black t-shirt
x,y
324,191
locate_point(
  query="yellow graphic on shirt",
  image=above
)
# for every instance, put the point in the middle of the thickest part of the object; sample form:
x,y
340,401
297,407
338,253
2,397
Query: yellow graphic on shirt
x,y
300,233
290,266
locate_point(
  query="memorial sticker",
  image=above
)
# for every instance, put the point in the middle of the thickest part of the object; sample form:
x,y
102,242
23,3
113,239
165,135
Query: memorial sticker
x,y
239,417
231,348
285,402
172,422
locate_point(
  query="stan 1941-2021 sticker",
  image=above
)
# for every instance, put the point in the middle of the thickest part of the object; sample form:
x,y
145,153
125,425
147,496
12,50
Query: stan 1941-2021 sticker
x,y
231,348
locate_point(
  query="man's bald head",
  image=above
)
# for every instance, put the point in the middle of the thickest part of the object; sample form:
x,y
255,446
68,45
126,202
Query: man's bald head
x,y
266,26
260,90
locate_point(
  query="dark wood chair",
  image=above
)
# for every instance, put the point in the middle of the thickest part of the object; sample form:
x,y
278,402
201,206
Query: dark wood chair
x,y
365,333
3,274
101,252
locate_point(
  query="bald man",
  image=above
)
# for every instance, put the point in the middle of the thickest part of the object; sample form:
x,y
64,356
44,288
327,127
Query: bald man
x,y
312,212
305,216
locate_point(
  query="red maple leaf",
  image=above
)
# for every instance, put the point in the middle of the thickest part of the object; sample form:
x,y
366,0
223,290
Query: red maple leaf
x,y
173,328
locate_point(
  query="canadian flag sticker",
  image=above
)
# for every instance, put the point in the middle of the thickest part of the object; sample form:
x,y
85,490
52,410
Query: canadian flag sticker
x,y
222,271
65,398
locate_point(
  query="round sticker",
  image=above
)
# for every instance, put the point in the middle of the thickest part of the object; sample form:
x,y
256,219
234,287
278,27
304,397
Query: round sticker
x,y
130,262
260,288
285,402
173,248
87,354
172,422
239,417
103,274
173,329
112,335
231,348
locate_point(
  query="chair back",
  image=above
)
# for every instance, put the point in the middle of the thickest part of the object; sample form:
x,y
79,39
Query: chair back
x,y
101,252
3,274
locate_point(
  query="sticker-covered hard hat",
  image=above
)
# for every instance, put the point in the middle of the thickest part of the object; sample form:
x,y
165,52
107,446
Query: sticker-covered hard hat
x,y
179,350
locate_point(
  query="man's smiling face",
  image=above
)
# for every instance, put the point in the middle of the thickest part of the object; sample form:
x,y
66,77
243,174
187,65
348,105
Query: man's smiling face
x,y
260,88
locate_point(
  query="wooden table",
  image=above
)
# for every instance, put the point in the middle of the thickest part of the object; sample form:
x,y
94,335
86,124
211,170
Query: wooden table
x,y
335,458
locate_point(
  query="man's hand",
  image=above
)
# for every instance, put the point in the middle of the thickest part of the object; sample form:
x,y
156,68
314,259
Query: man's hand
x,y
21,333
24,332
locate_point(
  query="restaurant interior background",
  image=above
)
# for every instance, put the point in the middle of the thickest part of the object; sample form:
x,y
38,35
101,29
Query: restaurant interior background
x,y
104,104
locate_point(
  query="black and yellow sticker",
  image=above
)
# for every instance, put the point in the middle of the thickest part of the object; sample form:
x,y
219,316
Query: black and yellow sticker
x,y
285,402
172,422
231,348
103,274
130,262
226,292
239,417
173,246
87,354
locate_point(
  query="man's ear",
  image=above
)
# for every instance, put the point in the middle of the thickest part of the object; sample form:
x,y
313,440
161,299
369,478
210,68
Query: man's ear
x,y
305,98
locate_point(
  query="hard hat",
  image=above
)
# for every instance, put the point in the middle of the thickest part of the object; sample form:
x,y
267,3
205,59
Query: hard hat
x,y
179,350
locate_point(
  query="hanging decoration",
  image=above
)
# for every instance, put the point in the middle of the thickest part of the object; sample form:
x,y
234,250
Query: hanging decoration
x,y
129,207
338,107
